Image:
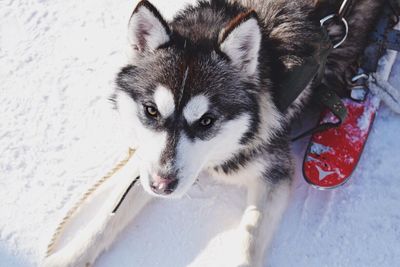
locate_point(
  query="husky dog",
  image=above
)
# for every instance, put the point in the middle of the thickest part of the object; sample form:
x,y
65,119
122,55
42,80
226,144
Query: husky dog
x,y
200,95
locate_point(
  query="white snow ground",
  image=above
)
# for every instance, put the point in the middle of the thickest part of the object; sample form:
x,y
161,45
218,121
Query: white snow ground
x,y
58,135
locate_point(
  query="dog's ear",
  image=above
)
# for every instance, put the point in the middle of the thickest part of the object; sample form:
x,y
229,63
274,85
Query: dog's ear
x,y
147,29
241,41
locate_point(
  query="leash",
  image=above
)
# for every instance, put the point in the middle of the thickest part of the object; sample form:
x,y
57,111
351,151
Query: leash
x,y
61,226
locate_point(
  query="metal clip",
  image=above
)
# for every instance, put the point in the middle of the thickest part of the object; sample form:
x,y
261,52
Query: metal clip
x,y
346,26
359,90
344,8
360,76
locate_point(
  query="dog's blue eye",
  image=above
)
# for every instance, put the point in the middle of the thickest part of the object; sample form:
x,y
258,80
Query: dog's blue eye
x,y
206,121
151,111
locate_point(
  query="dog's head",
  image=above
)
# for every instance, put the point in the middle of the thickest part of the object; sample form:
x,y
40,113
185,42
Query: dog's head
x,y
192,103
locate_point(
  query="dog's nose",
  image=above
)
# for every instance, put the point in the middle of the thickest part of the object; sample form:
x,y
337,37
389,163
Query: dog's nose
x,y
163,186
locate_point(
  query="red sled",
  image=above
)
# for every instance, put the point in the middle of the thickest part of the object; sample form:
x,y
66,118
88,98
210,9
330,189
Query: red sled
x,y
332,155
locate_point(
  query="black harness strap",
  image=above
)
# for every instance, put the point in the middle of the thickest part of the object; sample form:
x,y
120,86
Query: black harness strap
x,y
311,71
324,95
299,77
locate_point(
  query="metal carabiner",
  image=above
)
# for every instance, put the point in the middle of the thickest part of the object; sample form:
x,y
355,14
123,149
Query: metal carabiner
x,y
344,21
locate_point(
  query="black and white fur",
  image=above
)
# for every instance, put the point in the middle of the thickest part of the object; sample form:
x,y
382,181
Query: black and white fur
x,y
224,61
199,95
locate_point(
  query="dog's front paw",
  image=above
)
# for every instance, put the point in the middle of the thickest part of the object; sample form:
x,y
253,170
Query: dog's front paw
x,y
244,252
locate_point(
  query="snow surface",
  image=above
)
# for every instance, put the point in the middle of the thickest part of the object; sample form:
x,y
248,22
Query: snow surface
x,y
58,135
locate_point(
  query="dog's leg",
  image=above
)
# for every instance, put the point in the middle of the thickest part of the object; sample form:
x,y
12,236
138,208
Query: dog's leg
x,y
98,236
265,206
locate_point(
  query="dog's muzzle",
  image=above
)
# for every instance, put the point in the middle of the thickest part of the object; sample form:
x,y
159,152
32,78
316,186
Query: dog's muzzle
x,y
163,185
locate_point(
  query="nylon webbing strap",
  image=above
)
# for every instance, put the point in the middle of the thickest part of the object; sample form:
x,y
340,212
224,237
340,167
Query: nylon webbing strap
x,y
296,81
331,100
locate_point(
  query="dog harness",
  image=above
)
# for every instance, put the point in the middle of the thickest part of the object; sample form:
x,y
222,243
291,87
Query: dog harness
x,y
312,70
